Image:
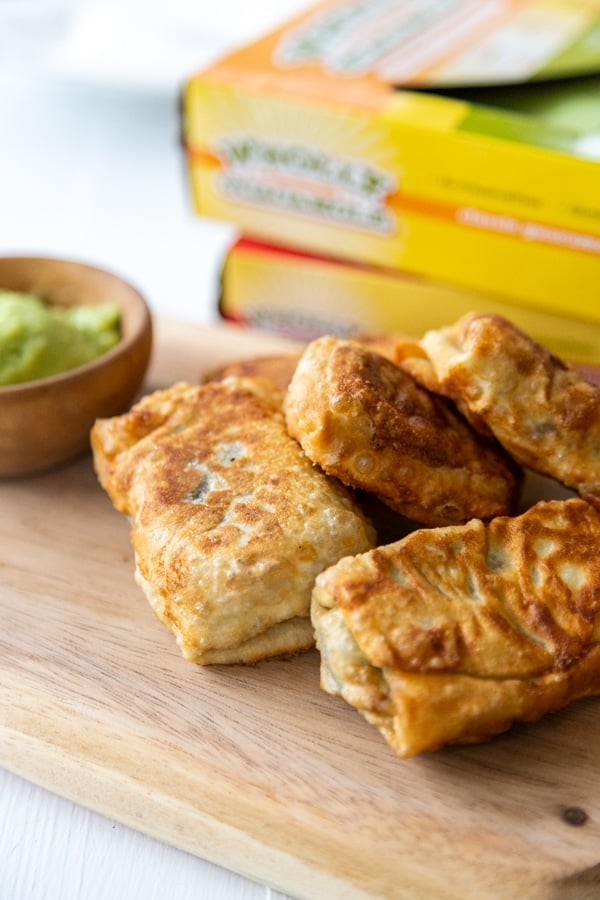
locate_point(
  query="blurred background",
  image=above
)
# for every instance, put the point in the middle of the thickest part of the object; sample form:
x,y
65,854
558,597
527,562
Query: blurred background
x,y
90,160
92,168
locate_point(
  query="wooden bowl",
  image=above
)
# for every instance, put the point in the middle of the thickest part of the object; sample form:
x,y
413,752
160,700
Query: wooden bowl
x,y
47,421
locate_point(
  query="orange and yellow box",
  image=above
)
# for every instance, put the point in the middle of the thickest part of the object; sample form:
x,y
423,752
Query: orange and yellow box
x,y
302,296
300,149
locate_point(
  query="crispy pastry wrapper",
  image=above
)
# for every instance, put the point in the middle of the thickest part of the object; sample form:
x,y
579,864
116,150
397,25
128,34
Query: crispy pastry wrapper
x,y
453,634
231,523
539,408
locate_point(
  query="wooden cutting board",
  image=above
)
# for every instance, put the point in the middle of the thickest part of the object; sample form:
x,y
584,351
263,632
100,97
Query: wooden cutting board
x,y
254,767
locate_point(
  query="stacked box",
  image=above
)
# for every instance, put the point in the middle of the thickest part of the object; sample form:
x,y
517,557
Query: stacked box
x,y
346,134
302,296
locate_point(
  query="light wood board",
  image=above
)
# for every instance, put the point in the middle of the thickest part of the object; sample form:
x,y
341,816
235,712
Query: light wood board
x,y
254,767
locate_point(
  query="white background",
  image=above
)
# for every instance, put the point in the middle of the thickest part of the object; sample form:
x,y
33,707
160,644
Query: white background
x,y
90,161
91,169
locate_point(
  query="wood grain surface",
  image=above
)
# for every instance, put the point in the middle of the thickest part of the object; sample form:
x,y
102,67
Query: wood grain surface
x,y
255,767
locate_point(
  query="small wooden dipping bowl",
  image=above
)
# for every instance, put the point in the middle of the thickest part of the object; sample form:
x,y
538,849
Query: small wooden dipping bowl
x,y
46,422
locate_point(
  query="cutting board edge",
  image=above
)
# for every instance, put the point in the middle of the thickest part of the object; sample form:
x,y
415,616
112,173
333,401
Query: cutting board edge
x,y
81,781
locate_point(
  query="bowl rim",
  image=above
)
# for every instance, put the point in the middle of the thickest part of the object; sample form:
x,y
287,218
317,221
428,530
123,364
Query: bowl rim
x,y
105,358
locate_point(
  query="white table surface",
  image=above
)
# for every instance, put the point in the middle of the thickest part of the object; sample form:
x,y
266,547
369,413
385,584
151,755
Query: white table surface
x,y
91,169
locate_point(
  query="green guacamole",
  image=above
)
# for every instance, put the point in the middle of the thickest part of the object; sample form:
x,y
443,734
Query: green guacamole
x,y
37,339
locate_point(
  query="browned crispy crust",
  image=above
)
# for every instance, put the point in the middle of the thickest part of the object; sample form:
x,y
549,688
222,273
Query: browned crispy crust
x,y
277,368
384,343
362,419
540,409
231,522
452,634
411,357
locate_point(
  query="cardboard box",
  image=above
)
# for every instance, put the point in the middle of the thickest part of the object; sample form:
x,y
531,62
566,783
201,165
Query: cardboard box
x,y
302,296
303,139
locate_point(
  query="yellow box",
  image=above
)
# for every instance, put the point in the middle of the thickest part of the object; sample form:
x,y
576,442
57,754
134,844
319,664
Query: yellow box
x,y
302,296
301,149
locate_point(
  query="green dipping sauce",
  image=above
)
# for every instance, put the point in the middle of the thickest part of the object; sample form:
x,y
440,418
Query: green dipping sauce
x,y
37,339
